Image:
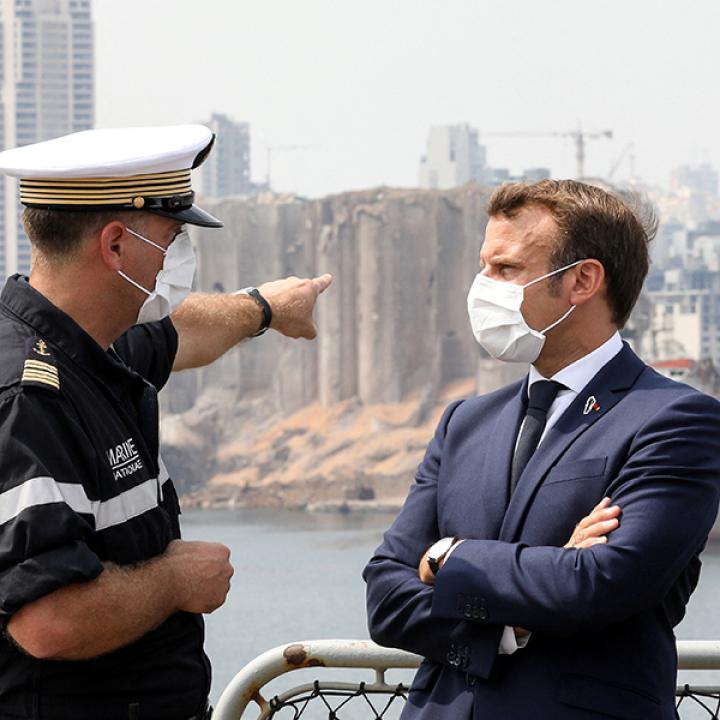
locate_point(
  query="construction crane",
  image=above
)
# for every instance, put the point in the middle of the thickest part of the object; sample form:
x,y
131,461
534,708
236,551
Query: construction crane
x,y
579,136
270,149
627,151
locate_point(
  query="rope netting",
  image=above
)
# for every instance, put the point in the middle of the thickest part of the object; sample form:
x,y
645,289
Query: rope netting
x,y
339,704
335,704
708,703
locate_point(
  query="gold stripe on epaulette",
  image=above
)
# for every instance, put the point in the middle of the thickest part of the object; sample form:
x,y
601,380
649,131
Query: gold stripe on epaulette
x,y
29,376
40,365
38,371
39,378
41,373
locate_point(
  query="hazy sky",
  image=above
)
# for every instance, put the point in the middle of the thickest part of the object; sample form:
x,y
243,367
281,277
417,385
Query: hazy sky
x,y
363,81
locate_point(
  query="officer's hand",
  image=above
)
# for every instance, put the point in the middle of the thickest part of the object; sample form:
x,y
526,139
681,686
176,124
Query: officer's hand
x,y
202,572
292,301
595,527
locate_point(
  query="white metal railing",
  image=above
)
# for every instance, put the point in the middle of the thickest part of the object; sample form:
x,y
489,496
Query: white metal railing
x,y
246,686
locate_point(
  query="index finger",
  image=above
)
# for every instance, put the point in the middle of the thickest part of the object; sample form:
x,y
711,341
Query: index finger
x,y
322,283
602,504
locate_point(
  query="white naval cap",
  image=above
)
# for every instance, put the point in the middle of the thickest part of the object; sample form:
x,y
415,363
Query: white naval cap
x,y
142,168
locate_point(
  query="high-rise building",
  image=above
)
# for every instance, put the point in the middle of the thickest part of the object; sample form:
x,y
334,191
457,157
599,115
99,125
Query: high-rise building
x,y
46,69
453,157
227,169
686,314
695,178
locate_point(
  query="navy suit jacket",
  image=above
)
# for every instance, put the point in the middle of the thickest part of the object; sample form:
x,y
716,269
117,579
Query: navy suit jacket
x,y
602,618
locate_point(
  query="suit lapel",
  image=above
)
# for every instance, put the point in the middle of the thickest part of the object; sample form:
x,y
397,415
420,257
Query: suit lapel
x,y
498,460
607,388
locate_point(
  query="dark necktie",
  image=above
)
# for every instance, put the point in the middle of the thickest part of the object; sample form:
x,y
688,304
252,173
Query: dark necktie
x,y
542,395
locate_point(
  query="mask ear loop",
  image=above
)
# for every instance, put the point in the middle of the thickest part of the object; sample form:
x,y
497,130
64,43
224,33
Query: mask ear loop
x,y
554,272
543,277
557,322
132,282
149,242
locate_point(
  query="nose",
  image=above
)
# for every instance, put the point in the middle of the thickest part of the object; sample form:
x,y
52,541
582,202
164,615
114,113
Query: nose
x,y
488,272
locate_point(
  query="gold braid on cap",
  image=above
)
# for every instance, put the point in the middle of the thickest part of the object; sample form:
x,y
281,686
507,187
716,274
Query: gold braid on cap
x,y
112,191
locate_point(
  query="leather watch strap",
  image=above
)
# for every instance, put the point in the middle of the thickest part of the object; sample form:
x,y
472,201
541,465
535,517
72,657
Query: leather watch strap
x,y
256,295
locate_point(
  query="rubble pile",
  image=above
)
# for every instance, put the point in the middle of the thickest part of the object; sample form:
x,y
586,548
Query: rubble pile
x,y
343,419
347,456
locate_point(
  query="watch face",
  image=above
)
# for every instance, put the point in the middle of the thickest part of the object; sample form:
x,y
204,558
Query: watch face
x,y
440,548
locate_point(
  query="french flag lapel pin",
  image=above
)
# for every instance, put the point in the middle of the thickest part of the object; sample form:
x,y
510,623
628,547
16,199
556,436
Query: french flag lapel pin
x,y
591,404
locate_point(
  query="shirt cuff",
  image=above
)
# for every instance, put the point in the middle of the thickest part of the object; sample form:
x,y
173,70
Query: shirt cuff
x,y
509,643
452,550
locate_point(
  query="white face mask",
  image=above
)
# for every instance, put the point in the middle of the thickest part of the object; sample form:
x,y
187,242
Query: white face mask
x,y
173,282
498,324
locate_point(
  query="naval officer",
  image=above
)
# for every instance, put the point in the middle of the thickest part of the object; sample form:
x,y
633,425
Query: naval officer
x,y
101,602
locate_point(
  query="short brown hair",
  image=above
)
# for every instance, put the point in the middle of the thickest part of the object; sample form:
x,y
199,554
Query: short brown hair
x,y
58,234
594,224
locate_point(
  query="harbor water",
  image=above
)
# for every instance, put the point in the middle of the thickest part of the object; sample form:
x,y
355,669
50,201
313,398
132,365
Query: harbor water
x,y
298,577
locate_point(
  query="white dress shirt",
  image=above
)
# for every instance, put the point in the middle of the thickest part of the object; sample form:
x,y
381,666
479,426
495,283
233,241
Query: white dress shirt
x,y
575,377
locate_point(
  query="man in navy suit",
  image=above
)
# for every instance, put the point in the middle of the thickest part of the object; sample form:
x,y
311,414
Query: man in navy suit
x,y
520,611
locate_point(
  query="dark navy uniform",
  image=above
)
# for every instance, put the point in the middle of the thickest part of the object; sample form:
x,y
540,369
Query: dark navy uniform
x,y
81,483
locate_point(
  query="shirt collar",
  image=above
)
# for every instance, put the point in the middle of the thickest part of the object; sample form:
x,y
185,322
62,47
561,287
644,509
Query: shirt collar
x,y
56,327
578,374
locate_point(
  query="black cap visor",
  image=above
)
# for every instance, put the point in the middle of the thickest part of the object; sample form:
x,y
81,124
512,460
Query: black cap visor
x,y
192,215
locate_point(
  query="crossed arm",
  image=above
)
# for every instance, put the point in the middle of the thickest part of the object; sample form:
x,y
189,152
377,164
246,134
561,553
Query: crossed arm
x,y
668,491
593,529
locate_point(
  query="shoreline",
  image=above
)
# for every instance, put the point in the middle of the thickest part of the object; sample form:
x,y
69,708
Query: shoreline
x,y
337,507
340,507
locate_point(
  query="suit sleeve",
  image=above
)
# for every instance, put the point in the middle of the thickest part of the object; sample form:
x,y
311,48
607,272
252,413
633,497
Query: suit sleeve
x,y
399,604
668,492
46,516
149,349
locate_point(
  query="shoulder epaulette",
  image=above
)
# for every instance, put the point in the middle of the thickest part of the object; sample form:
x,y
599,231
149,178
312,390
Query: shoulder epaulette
x,y
40,368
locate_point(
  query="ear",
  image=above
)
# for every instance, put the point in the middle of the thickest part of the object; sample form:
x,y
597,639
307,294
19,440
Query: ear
x,y
112,245
587,280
